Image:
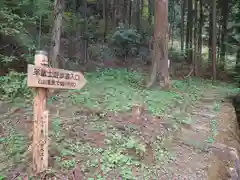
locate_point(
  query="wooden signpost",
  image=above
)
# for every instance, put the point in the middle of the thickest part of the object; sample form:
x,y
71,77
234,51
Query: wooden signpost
x,y
41,77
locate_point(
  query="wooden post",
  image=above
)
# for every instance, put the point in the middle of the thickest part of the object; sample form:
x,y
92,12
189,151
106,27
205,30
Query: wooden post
x,y
40,131
41,78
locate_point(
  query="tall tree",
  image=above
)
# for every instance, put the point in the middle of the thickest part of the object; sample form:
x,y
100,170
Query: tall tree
x,y
201,23
189,36
105,17
214,39
195,38
183,4
225,14
210,30
160,52
56,34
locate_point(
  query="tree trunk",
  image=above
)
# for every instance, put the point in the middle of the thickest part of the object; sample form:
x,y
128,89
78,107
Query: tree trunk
x,y
183,4
225,12
142,8
130,14
56,35
160,53
150,12
114,13
125,11
214,40
72,35
84,41
210,35
195,39
171,29
138,14
201,24
189,31
219,28
105,17
200,39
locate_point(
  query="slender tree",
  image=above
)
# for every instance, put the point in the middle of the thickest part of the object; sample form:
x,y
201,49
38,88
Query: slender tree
x,y
214,39
183,4
224,23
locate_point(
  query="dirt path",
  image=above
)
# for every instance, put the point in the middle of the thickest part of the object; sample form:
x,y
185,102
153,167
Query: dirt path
x,y
192,158
189,145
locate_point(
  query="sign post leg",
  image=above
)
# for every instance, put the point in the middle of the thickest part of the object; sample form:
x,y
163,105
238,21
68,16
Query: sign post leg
x,y
40,125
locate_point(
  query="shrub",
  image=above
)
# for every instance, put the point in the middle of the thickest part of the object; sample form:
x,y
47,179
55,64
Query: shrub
x,y
125,41
14,85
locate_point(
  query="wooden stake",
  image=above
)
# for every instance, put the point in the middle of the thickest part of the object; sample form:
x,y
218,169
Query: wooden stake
x,y
40,130
42,79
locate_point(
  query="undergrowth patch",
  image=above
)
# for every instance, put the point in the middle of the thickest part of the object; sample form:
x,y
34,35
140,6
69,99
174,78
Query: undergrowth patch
x,y
119,90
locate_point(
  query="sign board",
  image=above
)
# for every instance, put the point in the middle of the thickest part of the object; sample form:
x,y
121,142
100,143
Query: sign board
x,y
45,77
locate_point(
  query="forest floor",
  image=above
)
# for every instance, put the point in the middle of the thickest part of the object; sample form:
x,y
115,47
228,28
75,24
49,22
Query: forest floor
x,y
114,127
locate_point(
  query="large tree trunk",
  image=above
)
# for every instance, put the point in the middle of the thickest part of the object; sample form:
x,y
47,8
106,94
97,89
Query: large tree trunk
x,y
160,53
56,35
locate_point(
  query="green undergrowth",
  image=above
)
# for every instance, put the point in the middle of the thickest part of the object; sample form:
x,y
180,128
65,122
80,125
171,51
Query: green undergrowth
x,y
12,151
118,90
121,151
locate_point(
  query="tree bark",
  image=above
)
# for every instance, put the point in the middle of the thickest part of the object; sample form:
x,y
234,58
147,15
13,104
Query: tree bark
x,y
138,14
225,12
195,39
189,31
150,12
171,29
200,39
105,17
210,34
214,40
84,41
56,35
183,4
160,53
114,13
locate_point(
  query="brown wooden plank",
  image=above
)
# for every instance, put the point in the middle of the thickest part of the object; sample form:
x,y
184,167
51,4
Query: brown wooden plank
x,y
47,77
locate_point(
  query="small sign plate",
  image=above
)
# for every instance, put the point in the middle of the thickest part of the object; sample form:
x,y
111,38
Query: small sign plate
x,y
39,76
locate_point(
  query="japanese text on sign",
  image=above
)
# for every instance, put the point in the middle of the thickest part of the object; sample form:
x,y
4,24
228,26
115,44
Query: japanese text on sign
x,y
54,78
55,74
